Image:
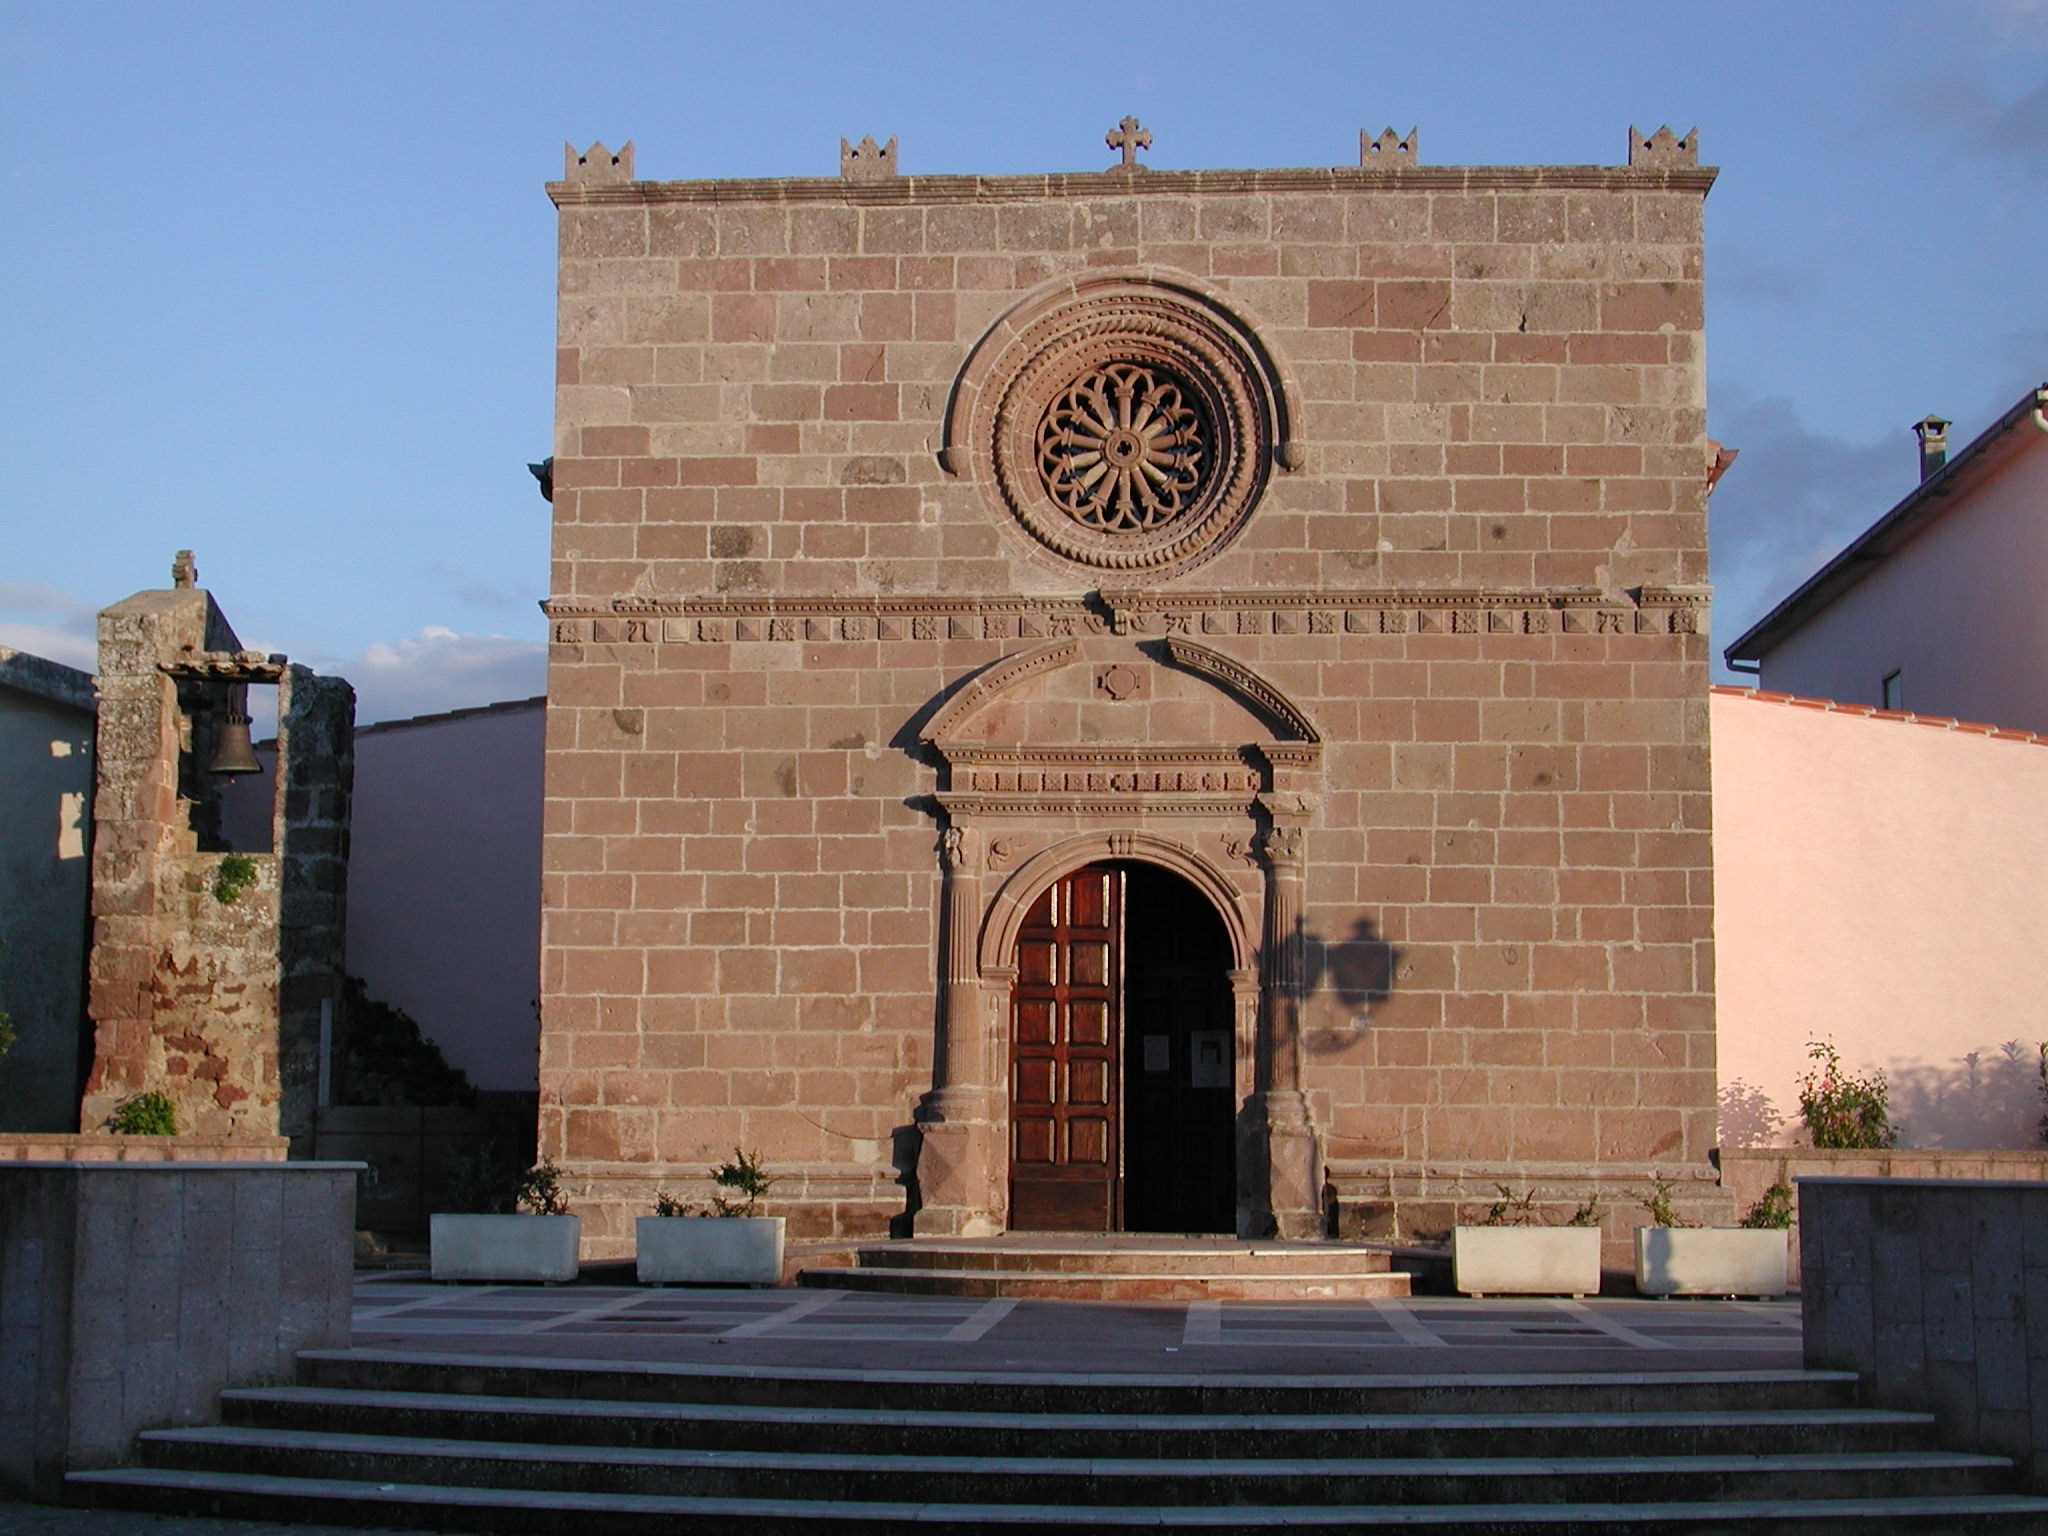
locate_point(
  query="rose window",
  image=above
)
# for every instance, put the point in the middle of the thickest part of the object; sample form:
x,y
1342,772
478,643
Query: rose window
x,y
1127,426
1125,448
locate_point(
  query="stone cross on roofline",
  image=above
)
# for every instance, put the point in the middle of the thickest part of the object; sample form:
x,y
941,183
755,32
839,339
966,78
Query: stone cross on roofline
x,y
1128,137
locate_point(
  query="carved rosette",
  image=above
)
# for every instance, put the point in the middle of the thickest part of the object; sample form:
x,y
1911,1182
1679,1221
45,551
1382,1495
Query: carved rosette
x,y
1128,431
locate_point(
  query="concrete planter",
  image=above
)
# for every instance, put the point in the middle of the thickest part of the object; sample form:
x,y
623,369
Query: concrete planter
x,y
1525,1261
708,1250
505,1248
1710,1261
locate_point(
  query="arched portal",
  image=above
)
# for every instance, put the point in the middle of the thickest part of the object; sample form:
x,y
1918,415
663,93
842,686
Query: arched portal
x,y
1122,1057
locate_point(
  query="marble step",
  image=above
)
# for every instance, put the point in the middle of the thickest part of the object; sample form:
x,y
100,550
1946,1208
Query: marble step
x,y
1119,1285
1307,1483
1127,1255
718,1426
498,1512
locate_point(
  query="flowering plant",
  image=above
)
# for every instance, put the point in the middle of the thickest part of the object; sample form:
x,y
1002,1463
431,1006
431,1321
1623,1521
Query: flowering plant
x,y
1840,1108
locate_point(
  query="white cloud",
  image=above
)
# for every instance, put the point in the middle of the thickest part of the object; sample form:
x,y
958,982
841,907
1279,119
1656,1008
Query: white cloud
x,y
52,644
439,669
48,623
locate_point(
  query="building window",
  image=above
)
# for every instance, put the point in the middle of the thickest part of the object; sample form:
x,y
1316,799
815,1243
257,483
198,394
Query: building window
x,y
1892,696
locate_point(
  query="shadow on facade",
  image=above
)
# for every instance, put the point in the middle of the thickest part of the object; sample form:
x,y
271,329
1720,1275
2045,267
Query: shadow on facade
x,y
1357,970
1987,1101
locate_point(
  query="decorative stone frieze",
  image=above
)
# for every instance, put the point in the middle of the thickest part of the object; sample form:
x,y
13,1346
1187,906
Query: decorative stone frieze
x,y
713,620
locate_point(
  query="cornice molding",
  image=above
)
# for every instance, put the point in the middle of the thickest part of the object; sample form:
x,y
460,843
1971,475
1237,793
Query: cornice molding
x,y
1144,182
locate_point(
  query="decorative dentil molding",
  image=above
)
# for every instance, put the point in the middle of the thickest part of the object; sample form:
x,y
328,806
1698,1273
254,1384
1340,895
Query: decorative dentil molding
x,y
1470,611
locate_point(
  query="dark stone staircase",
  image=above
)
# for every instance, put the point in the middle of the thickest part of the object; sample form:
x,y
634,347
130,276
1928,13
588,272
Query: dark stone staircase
x,y
485,1446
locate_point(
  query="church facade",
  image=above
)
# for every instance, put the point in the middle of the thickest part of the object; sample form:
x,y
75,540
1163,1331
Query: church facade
x,y
1130,701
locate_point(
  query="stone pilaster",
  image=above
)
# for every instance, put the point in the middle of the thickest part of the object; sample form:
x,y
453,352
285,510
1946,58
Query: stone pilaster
x,y
1287,1166
957,1162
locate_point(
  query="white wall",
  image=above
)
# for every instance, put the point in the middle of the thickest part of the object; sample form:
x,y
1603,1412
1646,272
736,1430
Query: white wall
x,y
1882,884
444,882
1959,611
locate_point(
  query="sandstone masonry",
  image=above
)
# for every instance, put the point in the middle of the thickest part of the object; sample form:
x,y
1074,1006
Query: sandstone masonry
x,y
1331,539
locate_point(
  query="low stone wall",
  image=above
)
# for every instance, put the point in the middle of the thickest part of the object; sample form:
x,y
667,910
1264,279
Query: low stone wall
x,y
1746,1172
132,1293
105,1147
1936,1292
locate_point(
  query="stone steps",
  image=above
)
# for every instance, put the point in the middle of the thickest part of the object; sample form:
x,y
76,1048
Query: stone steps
x,y
496,1512
1190,1482
491,1445
867,1430
1122,1268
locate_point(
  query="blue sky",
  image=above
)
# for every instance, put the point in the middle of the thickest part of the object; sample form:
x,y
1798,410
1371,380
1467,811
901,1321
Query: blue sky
x,y
276,281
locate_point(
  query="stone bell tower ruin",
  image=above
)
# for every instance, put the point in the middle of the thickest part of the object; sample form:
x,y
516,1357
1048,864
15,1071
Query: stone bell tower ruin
x,y
1130,699
212,966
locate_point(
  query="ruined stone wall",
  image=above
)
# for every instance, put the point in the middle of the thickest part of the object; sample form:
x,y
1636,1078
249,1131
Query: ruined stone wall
x,y
208,963
1470,557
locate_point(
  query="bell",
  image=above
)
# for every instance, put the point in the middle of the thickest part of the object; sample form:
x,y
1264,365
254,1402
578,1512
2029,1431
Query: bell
x,y
234,753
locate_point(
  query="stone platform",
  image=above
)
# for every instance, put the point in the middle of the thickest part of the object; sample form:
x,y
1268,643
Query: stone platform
x,y
1120,1267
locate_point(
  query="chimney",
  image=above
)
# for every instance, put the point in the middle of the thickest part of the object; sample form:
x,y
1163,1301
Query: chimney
x,y
1933,435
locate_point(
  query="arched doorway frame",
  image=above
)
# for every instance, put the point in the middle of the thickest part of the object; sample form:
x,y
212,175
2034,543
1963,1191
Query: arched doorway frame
x,y
1165,804
1004,916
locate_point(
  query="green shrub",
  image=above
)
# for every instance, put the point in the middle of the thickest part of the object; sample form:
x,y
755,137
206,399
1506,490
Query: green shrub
x,y
1658,1203
666,1204
1773,1208
540,1190
236,874
745,1176
147,1114
1588,1214
1511,1210
481,1181
1841,1109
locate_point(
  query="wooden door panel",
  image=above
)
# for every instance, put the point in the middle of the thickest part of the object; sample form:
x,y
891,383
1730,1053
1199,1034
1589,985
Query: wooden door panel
x,y
1087,1086
1088,1021
1064,1043
1034,1021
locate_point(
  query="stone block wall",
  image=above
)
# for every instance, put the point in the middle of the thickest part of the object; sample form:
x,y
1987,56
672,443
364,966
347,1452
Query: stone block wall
x,y
1470,568
132,1293
1936,1292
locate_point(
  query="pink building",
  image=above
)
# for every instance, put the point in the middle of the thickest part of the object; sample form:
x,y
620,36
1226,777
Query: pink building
x,y
1878,884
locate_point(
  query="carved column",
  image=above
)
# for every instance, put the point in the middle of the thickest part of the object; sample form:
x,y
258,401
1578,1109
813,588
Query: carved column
x,y
1285,1164
956,1162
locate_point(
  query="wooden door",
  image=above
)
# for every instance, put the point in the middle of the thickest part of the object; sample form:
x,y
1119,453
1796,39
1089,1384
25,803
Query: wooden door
x,y
1066,1029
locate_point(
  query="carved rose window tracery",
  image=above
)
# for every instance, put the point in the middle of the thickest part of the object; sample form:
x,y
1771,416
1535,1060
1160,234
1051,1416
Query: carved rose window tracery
x,y
1125,448
1128,430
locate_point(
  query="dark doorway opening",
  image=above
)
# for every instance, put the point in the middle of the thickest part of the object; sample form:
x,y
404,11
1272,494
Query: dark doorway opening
x,y
1122,1058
